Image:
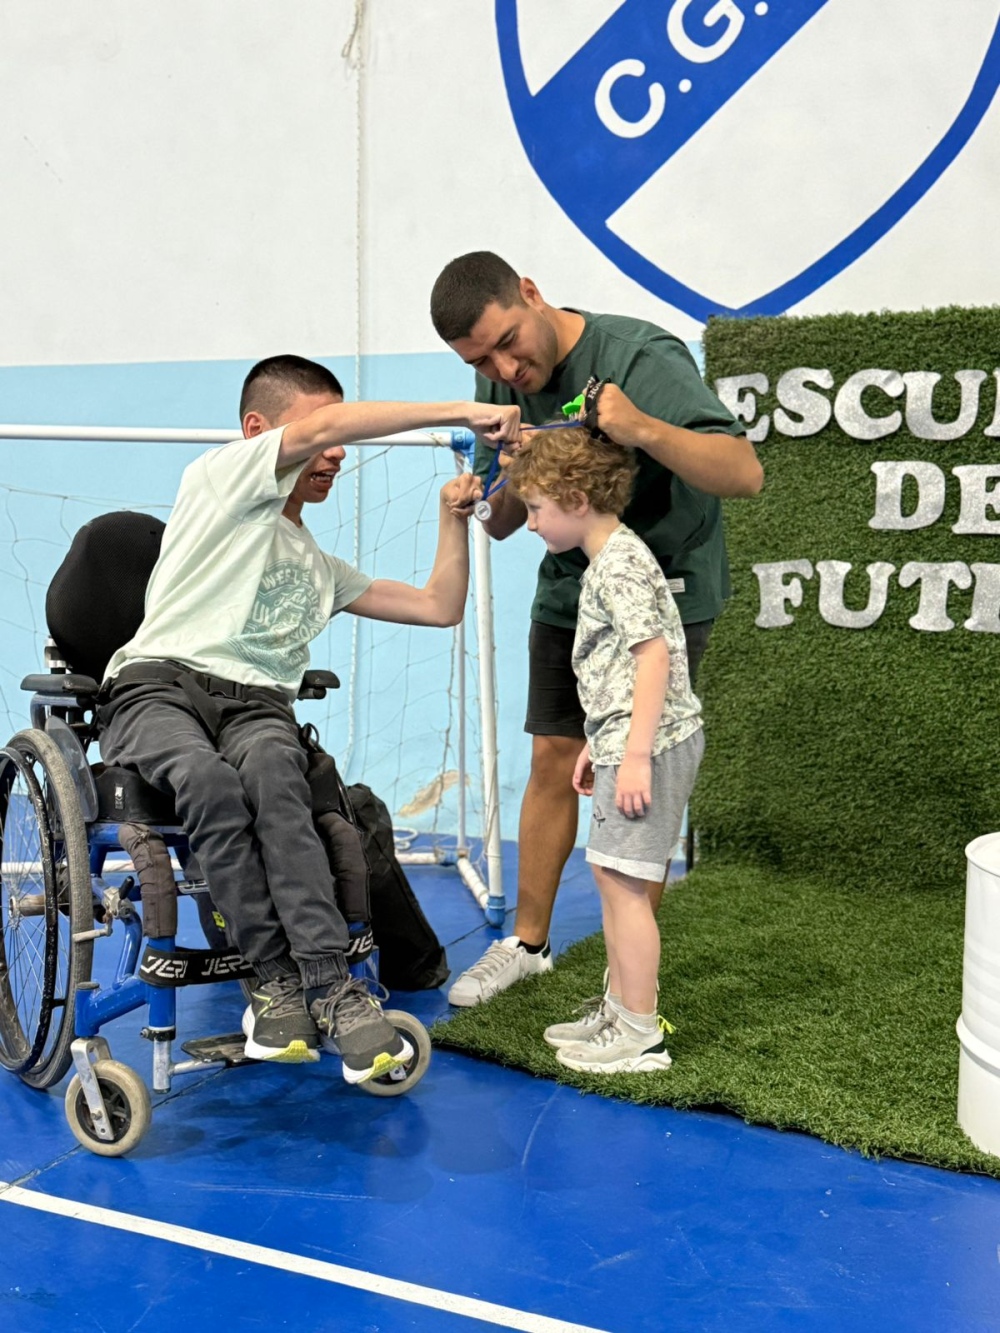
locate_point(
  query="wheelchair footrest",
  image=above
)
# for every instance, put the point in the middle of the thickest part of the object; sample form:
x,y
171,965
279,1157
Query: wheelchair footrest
x,y
227,1048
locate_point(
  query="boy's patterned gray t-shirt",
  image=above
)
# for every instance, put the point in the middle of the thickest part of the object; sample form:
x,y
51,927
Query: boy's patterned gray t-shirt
x,y
624,600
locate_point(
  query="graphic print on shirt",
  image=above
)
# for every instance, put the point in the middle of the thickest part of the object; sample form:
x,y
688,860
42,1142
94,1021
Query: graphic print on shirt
x,y
285,617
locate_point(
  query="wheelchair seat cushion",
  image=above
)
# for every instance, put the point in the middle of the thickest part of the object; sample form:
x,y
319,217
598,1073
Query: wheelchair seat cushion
x,y
123,797
95,602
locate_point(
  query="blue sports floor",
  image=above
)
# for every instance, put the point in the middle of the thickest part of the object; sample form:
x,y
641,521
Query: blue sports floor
x,y
278,1198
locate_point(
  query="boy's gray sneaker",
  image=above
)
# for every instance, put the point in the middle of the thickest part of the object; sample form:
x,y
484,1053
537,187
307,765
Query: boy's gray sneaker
x,y
503,963
591,1012
276,1024
615,1047
352,1025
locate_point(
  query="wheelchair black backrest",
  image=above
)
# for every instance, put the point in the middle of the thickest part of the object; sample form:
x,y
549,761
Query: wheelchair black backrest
x,y
95,601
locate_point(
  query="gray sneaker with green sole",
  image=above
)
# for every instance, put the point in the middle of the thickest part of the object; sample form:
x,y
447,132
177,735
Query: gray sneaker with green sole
x,y
352,1025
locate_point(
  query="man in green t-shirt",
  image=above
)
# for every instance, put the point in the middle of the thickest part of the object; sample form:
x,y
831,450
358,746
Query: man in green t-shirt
x,y
690,452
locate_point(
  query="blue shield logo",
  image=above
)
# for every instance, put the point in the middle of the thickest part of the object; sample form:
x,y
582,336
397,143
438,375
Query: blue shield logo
x,y
660,128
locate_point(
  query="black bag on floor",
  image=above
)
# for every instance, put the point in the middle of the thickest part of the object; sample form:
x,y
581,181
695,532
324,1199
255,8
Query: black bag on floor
x,y
410,954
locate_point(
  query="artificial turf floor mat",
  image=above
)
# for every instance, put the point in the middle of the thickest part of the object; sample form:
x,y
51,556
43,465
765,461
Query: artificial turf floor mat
x,y
796,1005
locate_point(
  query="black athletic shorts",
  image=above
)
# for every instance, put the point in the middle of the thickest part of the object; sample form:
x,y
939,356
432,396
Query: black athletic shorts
x,y
553,703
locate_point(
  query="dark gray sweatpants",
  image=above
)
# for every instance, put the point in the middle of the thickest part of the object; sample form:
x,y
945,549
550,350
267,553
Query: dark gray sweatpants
x,y
244,803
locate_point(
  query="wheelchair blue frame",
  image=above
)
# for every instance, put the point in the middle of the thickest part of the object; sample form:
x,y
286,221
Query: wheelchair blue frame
x,y
95,1007
58,716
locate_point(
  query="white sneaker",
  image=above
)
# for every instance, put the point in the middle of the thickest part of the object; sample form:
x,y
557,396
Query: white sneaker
x,y
617,1048
503,963
592,1012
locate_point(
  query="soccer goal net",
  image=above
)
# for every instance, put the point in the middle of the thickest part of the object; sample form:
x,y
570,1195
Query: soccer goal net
x,y
415,717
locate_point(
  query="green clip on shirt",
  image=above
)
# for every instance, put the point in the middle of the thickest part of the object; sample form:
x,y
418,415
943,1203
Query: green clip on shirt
x,y
682,526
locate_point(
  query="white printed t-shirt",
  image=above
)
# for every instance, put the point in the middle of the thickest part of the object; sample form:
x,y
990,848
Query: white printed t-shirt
x,y
239,591
624,600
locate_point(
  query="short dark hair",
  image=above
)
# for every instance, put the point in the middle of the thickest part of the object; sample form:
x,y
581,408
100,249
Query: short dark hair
x,y
274,382
464,289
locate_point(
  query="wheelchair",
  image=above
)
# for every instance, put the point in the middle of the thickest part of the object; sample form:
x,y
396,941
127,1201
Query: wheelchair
x,y
60,818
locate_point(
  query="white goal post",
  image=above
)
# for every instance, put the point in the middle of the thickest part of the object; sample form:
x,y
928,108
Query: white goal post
x,y
482,874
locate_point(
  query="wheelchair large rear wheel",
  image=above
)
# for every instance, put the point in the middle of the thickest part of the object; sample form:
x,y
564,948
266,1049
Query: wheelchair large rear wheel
x,y
45,900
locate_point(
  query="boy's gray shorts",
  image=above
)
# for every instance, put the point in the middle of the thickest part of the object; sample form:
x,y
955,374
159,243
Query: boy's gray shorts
x,y
642,847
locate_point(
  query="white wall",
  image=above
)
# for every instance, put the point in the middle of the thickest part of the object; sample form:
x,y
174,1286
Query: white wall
x,y
181,189
180,180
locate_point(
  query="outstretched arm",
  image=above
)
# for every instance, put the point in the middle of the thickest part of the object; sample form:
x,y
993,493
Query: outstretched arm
x,y
441,601
345,423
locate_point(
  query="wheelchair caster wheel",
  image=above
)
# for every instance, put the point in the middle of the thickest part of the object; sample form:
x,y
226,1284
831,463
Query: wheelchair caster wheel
x,y
407,1076
126,1098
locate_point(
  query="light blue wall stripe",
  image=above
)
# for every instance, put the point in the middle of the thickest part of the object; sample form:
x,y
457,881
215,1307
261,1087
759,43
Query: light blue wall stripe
x,y
198,393
403,674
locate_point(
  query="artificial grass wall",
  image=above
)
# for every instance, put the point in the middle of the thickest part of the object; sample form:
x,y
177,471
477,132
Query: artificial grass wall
x,y
865,756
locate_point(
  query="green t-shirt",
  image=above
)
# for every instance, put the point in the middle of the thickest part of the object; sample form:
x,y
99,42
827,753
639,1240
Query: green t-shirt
x,y
682,526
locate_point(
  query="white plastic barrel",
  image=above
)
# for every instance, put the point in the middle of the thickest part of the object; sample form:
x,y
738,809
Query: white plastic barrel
x,y
979,1024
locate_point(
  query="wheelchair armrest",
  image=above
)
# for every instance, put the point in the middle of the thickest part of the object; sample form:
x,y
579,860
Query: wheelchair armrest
x,y
54,683
316,683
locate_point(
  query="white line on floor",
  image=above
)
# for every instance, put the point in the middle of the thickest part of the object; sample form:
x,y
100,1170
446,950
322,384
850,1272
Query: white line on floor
x,y
467,1306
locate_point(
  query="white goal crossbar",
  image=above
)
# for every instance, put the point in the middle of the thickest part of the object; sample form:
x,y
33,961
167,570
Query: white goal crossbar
x,y
489,893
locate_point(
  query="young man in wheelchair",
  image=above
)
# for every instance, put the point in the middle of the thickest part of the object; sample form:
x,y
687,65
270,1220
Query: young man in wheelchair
x,y
199,701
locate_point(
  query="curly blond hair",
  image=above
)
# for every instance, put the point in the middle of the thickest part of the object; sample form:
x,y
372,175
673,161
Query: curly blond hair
x,y
567,463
